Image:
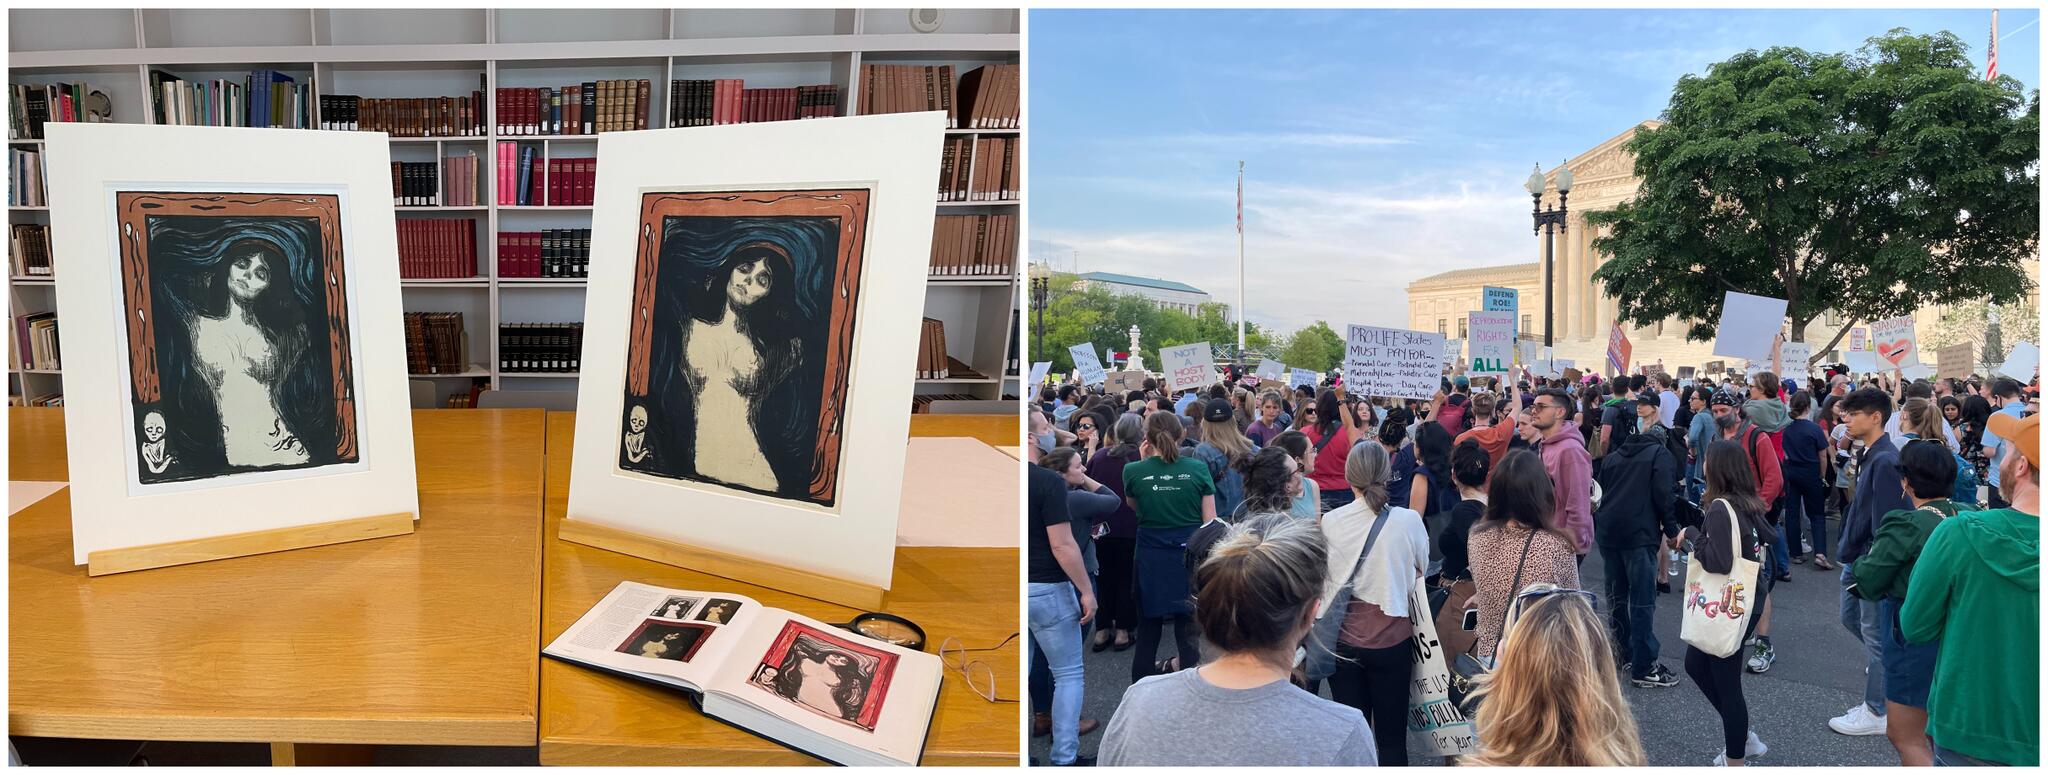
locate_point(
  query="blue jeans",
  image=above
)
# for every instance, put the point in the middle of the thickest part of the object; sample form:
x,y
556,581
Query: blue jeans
x,y
1056,628
1944,757
1632,603
1860,617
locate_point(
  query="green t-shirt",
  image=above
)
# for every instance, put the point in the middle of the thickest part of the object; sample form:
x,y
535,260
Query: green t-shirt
x,y
1168,495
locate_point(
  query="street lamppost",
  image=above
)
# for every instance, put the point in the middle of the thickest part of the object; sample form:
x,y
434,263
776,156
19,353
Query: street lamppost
x,y
1041,286
1549,222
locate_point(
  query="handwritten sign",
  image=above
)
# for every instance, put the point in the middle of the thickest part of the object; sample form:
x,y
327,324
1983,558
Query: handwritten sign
x,y
1432,719
1188,366
1618,349
1393,363
2021,363
1271,369
1493,342
1861,361
1859,339
1086,363
1748,326
1796,357
1298,377
1038,372
1527,352
1896,341
1954,361
1453,350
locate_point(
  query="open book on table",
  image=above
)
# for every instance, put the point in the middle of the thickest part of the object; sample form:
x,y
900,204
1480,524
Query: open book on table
x,y
814,687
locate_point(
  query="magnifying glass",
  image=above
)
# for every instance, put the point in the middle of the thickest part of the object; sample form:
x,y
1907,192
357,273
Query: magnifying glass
x,y
887,628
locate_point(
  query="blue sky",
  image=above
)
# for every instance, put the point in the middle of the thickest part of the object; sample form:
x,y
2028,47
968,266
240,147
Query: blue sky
x,y
1381,146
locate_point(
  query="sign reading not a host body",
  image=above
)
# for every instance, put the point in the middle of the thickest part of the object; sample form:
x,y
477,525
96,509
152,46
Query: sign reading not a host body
x,y
1188,366
1392,362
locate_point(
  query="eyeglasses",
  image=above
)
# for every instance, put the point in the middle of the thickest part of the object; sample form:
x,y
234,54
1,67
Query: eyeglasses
x,y
981,677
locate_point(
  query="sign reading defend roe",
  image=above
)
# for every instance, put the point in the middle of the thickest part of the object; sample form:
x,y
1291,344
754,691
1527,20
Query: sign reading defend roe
x,y
1188,366
1392,362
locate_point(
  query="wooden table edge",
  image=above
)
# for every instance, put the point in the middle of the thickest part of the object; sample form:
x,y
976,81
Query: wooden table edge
x,y
443,730
587,754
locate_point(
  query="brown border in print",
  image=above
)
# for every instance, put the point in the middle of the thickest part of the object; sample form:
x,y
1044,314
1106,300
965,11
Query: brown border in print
x,y
850,208
132,207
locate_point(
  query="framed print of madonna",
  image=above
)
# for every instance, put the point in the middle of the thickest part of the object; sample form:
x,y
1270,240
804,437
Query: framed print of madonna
x,y
226,338
747,368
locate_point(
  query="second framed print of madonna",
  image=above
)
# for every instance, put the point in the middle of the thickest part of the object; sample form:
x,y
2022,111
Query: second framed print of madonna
x,y
747,366
229,366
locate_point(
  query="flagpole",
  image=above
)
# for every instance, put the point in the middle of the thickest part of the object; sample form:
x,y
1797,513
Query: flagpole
x,y
1240,261
1991,54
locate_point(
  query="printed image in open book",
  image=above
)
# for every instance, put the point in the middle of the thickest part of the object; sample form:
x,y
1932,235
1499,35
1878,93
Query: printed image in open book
x,y
826,674
741,339
238,330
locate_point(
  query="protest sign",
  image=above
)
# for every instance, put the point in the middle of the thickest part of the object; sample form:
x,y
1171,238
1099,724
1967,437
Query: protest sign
x,y
1271,369
1038,372
1433,721
1086,363
1126,381
1859,339
1571,374
1527,352
1896,341
1862,361
1685,372
1298,377
1453,350
1795,356
1493,342
1188,366
1954,361
1618,349
1506,300
1747,326
1393,363
1916,371
2021,362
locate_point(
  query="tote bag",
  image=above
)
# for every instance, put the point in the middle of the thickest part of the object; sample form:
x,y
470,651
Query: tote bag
x,y
1717,605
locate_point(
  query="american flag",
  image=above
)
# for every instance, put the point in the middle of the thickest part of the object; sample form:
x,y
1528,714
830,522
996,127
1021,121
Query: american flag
x,y
1240,197
1991,57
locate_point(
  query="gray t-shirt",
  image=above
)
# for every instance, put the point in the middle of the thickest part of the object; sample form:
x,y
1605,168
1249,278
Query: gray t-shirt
x,y
1273,725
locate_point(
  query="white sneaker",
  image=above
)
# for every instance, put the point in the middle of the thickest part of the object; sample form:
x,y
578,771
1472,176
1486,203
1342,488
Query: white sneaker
x,y
1751,748
1858,721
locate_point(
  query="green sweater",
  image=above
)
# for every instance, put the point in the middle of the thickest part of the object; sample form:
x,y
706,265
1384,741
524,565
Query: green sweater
x,y
1883,569
1977,589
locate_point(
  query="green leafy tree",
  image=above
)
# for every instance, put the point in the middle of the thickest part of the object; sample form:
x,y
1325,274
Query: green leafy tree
x,y
1315,347
1873,183
1966,322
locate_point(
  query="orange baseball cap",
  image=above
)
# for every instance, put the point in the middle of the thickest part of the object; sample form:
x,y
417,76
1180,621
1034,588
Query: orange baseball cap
x,y
2023,433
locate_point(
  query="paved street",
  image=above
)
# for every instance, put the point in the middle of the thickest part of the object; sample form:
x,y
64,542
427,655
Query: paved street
x,y
1818,675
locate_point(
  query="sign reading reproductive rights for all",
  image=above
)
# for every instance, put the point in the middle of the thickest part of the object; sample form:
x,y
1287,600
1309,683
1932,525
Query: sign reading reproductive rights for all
x,y
1188,366
1393,362
1492,341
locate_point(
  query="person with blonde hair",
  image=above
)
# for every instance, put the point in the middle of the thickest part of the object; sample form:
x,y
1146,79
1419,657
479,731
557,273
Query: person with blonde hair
x,y
1221,445
1373,647
1255,598
1551,700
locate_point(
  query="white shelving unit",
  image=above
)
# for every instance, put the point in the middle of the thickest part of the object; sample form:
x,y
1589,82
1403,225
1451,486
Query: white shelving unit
x,y
396,53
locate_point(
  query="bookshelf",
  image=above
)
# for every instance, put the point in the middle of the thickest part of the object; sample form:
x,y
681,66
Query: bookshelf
x,y
398,53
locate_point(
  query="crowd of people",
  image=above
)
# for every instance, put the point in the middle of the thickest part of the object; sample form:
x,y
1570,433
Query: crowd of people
x,y
1282,533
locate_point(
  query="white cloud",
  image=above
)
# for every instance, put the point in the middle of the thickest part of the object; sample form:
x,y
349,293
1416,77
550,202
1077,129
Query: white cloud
x,y
1344,255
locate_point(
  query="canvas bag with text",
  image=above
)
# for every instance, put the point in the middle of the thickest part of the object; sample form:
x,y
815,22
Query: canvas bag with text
x,y
1718,605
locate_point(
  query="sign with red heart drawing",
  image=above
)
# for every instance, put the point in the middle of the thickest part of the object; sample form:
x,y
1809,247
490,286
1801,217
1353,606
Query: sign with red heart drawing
x,y
1896,342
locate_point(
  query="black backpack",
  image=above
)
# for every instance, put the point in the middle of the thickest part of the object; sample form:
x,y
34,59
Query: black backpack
x,y
1674,442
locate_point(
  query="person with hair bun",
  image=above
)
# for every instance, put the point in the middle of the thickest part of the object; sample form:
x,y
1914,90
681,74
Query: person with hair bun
x,y
1550,700
1172,494
1255,599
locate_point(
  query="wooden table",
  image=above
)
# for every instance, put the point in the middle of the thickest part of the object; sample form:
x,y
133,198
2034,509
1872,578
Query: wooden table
x,y
426,638
588,717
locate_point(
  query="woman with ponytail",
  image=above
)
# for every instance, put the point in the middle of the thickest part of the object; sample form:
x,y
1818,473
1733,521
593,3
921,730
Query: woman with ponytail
x,y
1173,495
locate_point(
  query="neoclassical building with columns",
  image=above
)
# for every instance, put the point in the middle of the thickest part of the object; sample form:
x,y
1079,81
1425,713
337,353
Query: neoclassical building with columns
x,y
1602,178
